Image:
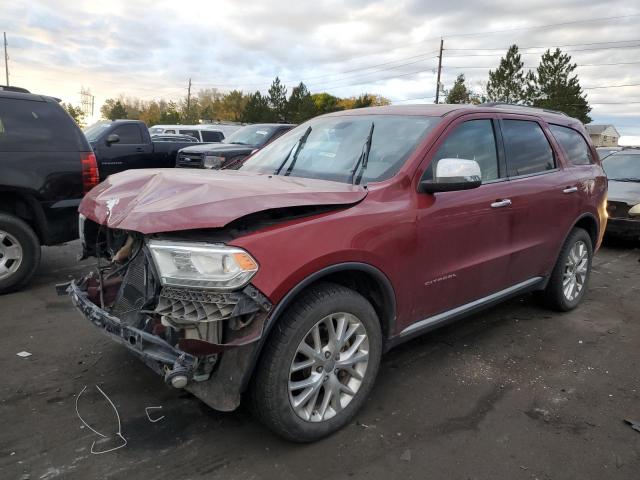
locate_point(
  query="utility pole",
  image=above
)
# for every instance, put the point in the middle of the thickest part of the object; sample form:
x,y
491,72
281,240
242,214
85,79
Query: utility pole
x,y
6,58
439,69
189,100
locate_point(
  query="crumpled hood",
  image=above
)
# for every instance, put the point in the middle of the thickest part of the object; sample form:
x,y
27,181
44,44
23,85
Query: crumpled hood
x,y
165,200
628,192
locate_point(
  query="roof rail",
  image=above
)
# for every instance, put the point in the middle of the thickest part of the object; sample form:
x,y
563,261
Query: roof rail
x,y
7,88
507,104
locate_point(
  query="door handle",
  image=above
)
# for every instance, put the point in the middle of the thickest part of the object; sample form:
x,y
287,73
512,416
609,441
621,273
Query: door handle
x,y
501,203
139,149
570,190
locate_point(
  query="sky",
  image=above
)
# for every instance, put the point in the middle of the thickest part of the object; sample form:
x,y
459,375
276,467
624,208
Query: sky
x,y
150,49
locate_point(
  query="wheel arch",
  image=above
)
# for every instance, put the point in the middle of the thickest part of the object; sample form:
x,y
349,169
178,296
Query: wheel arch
x,y
25,206
364,278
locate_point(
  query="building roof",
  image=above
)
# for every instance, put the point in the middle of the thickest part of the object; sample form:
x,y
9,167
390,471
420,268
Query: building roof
x,y
597,129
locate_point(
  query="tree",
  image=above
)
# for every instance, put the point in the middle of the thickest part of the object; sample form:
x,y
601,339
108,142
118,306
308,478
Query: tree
x,y
508,84
459,92
326,103
556,87
257,109
300,106
170,116
278,99
76,112
232,105
113,109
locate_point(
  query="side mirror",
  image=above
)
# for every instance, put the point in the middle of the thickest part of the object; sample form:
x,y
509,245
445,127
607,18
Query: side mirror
x,y
453,174
112,138
634,212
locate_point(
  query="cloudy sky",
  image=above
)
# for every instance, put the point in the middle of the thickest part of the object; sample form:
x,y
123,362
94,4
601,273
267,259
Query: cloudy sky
x,y
149,49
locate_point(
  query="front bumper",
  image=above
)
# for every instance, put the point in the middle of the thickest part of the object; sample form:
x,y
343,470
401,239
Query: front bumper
x,y
220,391
623,227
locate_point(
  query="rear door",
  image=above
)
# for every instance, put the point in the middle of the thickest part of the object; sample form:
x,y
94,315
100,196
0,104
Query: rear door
x,y
542,195
464,236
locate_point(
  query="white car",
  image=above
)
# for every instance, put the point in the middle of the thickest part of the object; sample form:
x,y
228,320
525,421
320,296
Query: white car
x,y
204,133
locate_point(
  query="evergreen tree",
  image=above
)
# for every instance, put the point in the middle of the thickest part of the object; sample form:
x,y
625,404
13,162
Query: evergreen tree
x,y
278,99
170,116
300,106
76,112
556,87
459,92
257,109
507,83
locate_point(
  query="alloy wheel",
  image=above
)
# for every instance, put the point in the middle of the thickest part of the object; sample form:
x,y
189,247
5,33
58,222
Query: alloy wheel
x,y
10,255
328,367
575,271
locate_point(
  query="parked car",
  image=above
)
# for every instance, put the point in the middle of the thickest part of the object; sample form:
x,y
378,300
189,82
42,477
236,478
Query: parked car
x,y
623,206
174,137
126,144
604,152
46,166
205,133
287,279
233,150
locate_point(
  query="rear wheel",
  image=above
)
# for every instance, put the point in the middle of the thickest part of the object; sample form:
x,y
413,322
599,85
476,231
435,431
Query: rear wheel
x,y
19,253
570,276
319,365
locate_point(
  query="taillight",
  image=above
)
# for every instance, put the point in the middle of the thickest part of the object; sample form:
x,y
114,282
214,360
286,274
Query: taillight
x,y
90,176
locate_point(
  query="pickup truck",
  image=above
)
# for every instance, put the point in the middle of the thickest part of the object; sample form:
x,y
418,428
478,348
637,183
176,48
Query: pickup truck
x,y
126,144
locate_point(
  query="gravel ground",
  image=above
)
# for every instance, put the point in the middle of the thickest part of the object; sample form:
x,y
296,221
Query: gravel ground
x,y
517,392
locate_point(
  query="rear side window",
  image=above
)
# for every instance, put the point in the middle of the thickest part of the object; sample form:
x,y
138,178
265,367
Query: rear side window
x,y
527,148
129,134
212,136
33,126
472,140
573,144
191,133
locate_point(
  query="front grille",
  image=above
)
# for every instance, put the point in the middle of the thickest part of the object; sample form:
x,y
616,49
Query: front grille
x,y
618,209
189,160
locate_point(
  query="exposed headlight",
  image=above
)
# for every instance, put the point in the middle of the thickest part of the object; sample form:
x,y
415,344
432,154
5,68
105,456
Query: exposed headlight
x,y
202,265
213,161
635,211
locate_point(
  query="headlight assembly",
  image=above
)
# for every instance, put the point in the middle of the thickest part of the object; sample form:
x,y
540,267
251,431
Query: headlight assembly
x,y
202,265
212,161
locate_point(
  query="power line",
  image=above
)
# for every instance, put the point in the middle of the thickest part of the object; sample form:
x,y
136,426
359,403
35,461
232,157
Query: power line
x,y
612,86
538,53
535,66
551,46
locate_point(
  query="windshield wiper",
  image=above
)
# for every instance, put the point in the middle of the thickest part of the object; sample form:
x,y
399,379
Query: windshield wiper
x,y
363,160
626,179
297,147
238,143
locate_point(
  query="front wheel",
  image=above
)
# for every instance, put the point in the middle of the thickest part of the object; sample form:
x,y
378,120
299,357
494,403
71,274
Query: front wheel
x,y
319,365
570,277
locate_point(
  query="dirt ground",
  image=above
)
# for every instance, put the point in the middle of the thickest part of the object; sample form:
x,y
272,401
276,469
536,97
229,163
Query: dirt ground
x,y
517,392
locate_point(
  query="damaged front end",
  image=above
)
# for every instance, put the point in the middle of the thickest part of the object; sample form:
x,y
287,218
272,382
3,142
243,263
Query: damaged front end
x,y
185,308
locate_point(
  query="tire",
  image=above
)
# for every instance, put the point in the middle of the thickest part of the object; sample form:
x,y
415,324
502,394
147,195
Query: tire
x,y
271,398
17,239
555,296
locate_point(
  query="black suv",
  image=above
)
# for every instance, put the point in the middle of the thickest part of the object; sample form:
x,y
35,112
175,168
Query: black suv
x,y
46,166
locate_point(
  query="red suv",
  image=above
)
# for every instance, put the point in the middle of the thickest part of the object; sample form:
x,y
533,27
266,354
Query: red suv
x,y
288,278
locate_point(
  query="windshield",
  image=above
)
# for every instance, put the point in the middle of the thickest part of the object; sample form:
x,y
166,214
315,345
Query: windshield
x,y
330,148
93,132
254,135
625,167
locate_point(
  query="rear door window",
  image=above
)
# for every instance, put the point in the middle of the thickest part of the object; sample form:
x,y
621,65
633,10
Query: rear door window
x,y
471,140
36,126
527,149
573,144
192,133
212,136
129,134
